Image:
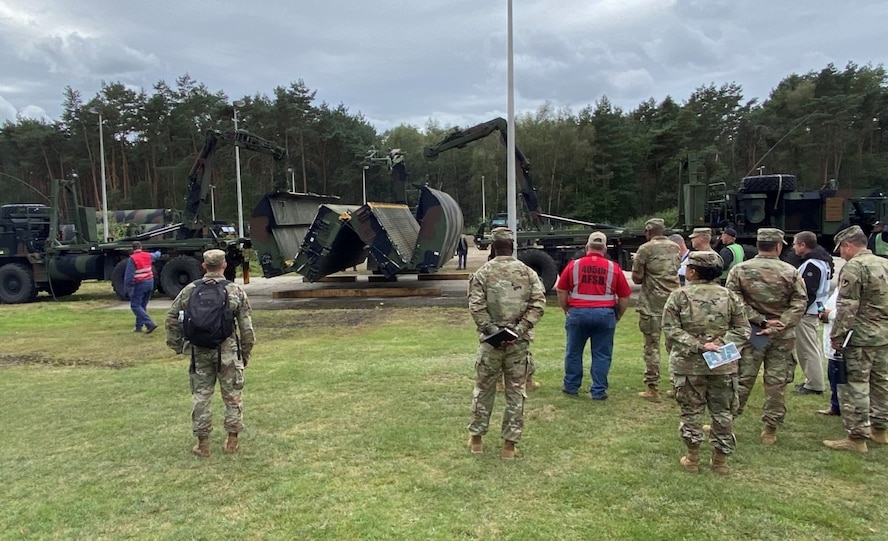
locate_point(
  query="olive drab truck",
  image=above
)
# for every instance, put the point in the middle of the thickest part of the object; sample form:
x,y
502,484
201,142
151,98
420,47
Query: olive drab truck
x,y
54,248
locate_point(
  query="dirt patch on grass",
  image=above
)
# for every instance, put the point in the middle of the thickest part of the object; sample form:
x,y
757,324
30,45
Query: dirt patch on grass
x,y
39,359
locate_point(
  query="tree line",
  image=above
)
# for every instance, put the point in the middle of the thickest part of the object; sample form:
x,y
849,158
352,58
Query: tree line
x,y
600,163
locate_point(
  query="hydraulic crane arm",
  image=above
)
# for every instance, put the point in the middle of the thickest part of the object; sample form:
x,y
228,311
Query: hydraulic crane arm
x,y
198,176
461,138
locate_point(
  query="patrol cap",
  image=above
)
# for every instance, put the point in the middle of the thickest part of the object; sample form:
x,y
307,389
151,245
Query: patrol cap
x,y
654,223
700,231
770,234
705,259
501,233
731,232
597,239
845,234
214,258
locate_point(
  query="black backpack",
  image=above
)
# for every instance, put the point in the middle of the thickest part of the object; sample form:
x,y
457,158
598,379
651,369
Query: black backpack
x,y
208,319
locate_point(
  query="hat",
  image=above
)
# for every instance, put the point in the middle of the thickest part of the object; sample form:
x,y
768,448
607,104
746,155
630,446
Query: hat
x,y
214,258
770,234
730,231
700,231
705,258
846,234
654,223
501,233
597,239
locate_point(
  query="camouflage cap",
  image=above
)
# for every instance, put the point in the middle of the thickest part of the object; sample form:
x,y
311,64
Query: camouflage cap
x,y
501,233
597,239
845,234
700,231
654,223
214,258
705,258
770,234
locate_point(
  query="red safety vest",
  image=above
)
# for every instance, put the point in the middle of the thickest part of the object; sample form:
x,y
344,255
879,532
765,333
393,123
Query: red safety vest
x,y
596,285
144,272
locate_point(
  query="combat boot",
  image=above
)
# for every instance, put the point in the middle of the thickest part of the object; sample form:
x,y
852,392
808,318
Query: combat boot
x,y
719,462
508,450
203,446
707,429
691,461
670,393
475,445
651,395
879,435
231,443
857,445
530,384
769,435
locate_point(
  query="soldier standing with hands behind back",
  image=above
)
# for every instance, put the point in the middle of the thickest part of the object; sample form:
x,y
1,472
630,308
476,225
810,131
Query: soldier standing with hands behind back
x,y
862,307
503,293
655,268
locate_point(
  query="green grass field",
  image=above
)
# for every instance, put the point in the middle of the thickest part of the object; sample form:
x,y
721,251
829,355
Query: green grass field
x,y
356,430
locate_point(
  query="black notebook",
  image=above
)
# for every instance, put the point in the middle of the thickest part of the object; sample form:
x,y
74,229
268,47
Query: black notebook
x,y
503,335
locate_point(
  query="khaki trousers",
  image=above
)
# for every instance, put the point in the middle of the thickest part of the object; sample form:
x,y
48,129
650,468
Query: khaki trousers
x,y
809,349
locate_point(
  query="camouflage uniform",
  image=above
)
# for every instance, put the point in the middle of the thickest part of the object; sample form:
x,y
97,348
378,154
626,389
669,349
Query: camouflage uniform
x,y
503,293
698,313
863,306
770,289
206,367
655,267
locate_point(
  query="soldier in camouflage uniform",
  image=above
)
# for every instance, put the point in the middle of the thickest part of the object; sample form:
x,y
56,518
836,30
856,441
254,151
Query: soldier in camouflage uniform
x,y
503,293
774,298
208,365
702,317
862,307
655,268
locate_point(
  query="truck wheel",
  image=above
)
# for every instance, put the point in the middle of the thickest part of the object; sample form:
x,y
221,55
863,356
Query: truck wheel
x,y
543,264
16,284
118,273
62,288
178,273
769,183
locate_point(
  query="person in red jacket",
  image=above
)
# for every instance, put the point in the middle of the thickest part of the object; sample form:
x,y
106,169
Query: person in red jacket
x,y
594,294
139,283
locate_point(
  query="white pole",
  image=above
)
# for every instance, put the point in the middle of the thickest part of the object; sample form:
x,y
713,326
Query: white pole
x,y
364,183
511,191
240,203
104,181
213,202
483,202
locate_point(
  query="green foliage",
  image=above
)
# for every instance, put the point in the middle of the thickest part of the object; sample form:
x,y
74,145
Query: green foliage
x,y
355,429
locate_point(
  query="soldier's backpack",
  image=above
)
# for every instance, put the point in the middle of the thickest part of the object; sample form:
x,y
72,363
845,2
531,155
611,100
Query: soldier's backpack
x,y
208,320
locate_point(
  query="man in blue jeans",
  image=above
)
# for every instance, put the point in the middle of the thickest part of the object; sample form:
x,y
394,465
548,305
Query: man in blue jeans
x,y
139,283
594,294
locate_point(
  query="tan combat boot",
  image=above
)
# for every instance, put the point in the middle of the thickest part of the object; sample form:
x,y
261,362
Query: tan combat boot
x,y
530,384
652,394
203,446
231,443
857,445
879,435
707,429
769,435
691,461
670,393
719,462
475,445
508,450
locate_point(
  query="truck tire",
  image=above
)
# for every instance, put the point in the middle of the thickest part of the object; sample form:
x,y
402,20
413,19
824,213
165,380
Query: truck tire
x,y
178,273
16,284
62,288
118,273
543,264
769,183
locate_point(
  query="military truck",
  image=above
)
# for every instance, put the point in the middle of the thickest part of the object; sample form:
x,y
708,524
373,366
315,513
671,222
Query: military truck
x,y
54,248
774,201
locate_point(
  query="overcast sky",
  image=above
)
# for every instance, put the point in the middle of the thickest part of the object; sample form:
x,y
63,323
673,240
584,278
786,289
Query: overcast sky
x,y
406,61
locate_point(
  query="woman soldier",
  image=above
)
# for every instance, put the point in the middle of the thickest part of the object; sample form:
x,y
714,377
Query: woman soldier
x,y
701,317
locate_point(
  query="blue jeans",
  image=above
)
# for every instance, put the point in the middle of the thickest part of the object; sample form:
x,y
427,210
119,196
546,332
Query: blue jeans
x,y
139,298
596,325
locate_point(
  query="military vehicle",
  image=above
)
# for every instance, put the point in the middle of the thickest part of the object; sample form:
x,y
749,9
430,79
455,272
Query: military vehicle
x,y
542,246
54,248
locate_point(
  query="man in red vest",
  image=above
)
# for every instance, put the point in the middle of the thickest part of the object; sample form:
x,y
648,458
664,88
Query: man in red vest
x,y
139,283
594,294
